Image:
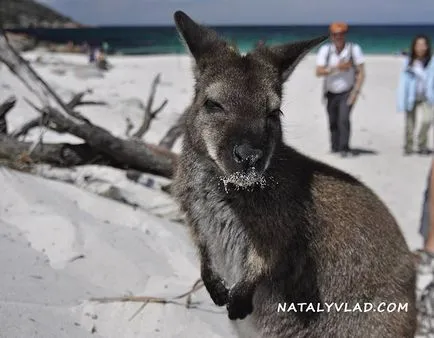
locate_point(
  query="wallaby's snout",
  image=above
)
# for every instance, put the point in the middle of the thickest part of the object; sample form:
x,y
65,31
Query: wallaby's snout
x,y
241,151
246,155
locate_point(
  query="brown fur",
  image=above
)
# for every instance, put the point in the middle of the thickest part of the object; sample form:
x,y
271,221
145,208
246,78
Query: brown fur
x,y
271,224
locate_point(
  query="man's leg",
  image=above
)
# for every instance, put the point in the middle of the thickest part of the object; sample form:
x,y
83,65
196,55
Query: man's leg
x,y
333,114
410,121
344,123
427,112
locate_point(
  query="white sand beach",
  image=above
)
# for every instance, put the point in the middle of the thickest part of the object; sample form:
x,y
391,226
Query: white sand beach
x,y
62,245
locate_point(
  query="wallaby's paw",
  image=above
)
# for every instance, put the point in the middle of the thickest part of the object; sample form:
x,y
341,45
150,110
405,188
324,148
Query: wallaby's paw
x,y
239,306
219,293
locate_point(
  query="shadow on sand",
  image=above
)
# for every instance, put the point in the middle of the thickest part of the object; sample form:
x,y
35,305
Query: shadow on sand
x,y
362,151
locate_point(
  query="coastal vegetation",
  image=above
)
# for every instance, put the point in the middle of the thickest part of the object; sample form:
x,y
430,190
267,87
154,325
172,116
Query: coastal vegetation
x,y
29,13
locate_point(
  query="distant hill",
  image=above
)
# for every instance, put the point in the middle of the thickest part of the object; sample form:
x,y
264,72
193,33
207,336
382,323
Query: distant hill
x,y
29,13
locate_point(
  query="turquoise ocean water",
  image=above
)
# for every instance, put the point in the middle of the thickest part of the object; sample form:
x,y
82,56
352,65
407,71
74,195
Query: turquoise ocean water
x,y
165,40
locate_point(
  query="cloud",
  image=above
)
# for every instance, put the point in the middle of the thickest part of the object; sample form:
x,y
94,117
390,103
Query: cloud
x,y
149,12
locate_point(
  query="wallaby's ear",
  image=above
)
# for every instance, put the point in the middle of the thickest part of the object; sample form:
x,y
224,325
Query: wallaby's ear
x,y
201,41
287,56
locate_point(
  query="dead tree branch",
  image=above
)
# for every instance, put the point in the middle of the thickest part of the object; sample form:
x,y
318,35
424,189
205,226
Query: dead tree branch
x,y
174,132
5,107
131,153
43,119
149,113
129,127
91,103
58,154
26,127
21,68
160,300
77,98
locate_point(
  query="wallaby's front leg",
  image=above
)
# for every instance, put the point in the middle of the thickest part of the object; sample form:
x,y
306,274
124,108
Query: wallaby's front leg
x,y
240,302
212,281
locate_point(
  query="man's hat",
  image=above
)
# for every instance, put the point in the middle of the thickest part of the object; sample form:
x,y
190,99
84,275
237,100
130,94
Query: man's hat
x,y
338,27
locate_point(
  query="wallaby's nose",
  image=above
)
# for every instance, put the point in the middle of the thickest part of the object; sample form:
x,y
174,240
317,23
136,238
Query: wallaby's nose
x,y
247,155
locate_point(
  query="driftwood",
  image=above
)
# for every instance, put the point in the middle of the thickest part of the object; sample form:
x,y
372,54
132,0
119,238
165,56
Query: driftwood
x,y
174,132
26,127
77,100
91,103
150,114
150,299
30,78
131,152
130,126
158,300
5,107
58,154
60,116
43,120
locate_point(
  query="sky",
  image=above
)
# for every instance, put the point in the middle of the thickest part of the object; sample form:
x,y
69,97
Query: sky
x,y
257,12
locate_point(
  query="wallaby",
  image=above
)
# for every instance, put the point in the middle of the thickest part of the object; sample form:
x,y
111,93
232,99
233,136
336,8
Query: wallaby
x,y
273,225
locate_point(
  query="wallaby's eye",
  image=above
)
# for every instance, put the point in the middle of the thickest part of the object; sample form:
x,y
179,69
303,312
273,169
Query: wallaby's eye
x,y
212,106
275,114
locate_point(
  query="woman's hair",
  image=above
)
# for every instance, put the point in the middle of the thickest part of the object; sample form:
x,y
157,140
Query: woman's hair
x,y
428,51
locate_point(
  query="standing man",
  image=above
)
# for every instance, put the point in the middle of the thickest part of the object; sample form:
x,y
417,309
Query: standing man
x,y
342,65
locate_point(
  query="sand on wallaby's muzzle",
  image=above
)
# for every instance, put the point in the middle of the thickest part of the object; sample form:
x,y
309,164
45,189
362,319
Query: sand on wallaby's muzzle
x,y
244,180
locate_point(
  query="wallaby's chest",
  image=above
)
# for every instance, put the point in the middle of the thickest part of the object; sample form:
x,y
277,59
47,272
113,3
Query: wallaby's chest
x,y
224,235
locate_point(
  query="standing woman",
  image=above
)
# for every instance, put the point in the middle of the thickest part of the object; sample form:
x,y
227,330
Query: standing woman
x,y
416,93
